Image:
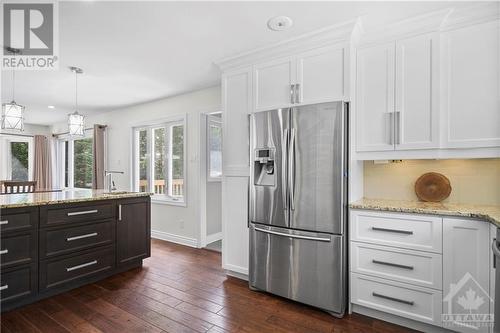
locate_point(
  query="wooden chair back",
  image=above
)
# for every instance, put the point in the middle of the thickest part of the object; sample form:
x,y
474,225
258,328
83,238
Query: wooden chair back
x,y
19,186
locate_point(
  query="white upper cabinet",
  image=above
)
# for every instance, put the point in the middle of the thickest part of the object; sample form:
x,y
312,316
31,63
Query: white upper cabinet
x,y
417,83
320,75
273,84
315,76
375,98
396,95
470,102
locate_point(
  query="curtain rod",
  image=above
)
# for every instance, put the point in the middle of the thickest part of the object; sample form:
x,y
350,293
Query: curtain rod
x,y
16,134
86,129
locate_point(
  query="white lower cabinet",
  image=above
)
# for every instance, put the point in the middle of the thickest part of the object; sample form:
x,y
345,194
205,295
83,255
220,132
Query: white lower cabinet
x,y
441,273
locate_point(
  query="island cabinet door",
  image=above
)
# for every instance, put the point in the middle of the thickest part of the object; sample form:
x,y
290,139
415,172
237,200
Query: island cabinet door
x,y
133,230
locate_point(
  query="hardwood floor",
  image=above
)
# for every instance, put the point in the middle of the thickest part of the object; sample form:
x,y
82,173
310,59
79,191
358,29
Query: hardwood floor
x,y
179,289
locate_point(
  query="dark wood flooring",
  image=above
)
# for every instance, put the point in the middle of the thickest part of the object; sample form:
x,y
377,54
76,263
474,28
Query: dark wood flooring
x,y
179,289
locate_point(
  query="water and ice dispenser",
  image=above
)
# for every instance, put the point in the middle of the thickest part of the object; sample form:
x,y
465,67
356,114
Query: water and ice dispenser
x,y
265,174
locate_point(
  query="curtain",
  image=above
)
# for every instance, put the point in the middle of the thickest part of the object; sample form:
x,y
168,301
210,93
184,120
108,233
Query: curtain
x,y
43,166
98,161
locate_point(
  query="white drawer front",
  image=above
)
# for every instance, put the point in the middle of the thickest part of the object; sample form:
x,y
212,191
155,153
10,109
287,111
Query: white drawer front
x,y
415,267
397,298
418,232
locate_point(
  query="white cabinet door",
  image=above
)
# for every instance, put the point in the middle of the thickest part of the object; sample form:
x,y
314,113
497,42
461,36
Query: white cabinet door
x,y
272,84
470,62
375,98
417,108
320,75
466,270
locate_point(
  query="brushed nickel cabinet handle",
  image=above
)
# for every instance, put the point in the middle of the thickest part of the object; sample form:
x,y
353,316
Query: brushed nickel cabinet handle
x,y
90,263
4,222
119,212
81,237
394,299
397,231
4,287
93,211
4,251
392,264
292,93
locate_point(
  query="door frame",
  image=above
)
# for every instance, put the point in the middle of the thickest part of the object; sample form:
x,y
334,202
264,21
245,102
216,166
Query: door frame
x,y
202,153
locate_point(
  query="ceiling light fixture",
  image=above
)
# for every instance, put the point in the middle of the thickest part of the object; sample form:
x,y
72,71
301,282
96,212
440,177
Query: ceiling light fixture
x,y
51,107
279,23
76,121
13,113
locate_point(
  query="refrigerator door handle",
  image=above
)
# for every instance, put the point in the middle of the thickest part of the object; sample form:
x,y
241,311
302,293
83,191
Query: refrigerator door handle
x,y
284,169
291,169
320,239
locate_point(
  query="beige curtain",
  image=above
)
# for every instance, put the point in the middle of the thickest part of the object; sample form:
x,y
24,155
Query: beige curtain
x,y
43,167
98,164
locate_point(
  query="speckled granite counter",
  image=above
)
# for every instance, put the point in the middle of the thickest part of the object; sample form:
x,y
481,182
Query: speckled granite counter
x,y
65,196
488,213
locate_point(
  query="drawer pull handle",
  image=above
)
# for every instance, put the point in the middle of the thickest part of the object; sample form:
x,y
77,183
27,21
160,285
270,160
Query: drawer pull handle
x,y
392,264
4,222
4,251
81,236
4,287
393,299
93,211
90,263
406,232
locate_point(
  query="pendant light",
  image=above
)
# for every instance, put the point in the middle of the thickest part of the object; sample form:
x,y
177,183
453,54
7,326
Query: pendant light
x,y
76,121
13,113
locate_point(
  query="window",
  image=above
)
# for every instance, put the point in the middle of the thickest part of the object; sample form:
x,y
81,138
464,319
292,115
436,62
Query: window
x,y
214,147
19,155
159,162
77,159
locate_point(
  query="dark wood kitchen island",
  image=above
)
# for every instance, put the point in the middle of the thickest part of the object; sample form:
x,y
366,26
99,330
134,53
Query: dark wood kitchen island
x,y
55,241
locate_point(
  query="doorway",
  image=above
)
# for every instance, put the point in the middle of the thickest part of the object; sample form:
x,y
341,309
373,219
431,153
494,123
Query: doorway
x,y
211,181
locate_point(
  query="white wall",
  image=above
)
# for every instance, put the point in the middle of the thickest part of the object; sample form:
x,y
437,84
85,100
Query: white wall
x,y
32,129
171,222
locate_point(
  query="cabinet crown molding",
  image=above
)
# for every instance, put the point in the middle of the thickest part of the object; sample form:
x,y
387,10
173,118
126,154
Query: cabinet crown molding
x,y
475,14
339,33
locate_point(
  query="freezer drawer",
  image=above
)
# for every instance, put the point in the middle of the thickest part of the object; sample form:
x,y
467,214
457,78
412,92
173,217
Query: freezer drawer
x,y
303,266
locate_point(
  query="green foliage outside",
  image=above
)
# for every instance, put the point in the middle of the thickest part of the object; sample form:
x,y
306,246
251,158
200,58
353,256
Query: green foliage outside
x,y
83,156
20,160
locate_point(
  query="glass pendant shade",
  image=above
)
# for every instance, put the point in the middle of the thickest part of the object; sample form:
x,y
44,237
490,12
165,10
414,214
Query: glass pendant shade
x,y
13,116
76,124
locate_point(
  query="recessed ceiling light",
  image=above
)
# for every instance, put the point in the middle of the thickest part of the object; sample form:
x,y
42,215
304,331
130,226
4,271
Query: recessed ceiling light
x,y
279,23
51,107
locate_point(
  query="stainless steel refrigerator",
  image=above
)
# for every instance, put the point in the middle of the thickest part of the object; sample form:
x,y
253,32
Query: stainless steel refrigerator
x,y
297,207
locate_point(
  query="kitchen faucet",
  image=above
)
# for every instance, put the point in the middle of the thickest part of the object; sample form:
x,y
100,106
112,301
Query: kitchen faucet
x,y
111,183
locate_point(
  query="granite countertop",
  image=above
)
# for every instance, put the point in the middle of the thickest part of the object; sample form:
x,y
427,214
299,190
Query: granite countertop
x,y
483,212
65,196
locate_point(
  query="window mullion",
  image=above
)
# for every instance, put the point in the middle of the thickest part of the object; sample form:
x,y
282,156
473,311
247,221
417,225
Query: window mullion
x,y
71,180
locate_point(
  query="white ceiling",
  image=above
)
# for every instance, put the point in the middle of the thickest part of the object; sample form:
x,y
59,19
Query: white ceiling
x,y
133,52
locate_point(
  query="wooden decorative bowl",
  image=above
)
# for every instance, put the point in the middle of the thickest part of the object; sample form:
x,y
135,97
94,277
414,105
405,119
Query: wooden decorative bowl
x,y
432,187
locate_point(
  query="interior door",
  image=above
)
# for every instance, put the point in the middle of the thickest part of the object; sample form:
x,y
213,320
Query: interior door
x,y
268,185
316,168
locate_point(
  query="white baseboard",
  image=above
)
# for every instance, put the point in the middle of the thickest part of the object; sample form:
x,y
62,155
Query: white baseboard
x,y
237,275
236,271
183,240
214,237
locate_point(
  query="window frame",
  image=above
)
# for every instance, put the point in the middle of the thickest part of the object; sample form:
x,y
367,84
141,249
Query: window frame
x,y
71,156
7,139
211,121
166,123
